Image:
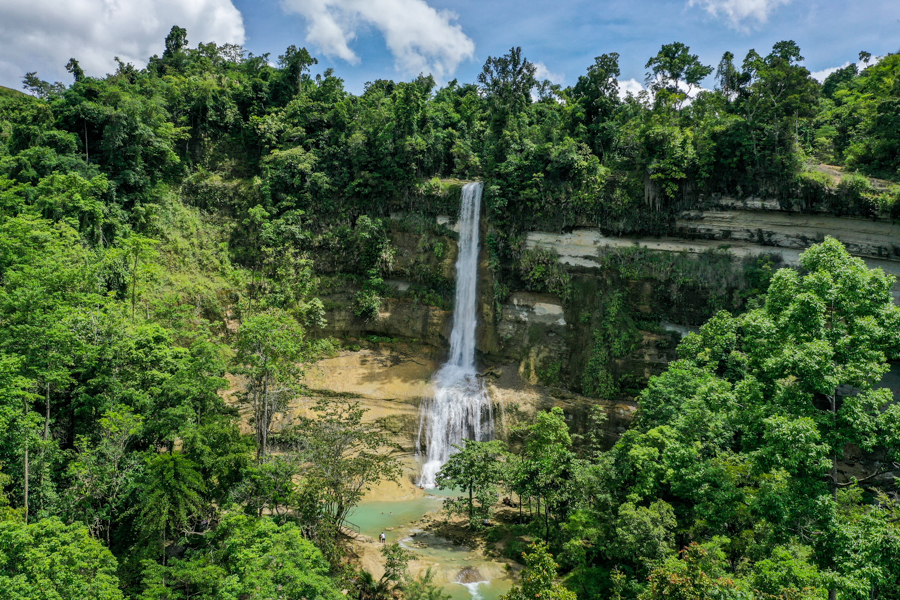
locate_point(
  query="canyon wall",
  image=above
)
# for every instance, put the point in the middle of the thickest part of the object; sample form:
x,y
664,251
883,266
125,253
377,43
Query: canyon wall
x,y
631,299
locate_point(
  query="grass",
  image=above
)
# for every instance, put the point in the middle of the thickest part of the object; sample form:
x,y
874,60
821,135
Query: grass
x,y
6,92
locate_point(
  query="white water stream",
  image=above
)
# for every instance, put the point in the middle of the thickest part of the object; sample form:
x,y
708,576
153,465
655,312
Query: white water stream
x,y
460,408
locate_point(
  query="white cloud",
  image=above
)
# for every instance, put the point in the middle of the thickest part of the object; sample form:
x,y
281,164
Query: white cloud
x,y
822,75
421,39
739,11
41,35
629,85
541,72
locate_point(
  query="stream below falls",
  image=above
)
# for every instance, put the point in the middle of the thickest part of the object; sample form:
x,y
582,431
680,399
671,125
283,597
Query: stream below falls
x,y
460,571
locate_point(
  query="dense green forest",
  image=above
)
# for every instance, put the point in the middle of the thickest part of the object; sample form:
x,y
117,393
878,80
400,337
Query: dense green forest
x,y
163,227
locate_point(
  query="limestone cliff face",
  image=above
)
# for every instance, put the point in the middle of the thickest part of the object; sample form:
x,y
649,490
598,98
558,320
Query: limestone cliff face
x,y
632,299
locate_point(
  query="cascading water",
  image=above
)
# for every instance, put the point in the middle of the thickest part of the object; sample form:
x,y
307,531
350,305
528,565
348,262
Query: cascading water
x,y
460,408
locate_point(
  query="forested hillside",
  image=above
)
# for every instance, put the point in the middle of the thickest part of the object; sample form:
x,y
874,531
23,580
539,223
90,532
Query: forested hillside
x,y
161,228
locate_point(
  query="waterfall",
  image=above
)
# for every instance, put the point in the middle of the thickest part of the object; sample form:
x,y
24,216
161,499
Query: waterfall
x,y
460,408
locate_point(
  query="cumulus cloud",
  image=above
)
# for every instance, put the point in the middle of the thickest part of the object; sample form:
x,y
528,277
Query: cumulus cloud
x,y
41,35
822,75
420,38
541,72
629,85
738,12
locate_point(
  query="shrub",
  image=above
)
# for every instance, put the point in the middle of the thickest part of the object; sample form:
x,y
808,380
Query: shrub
x,y
541,271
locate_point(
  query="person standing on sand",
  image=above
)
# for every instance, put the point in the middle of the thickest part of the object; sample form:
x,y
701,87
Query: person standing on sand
x,y
381,537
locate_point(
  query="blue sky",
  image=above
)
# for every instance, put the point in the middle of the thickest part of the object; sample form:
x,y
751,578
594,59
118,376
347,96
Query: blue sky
x,y
365,40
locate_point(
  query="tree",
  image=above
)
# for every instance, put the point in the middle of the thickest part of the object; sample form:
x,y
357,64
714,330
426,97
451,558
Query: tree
x,y
783,389
295,66
394,578
729,79
17,423
547,467
342,456
103,472
75,69
507,81
673,69
172,497
176,42
424,588
686,579
597,94
244,557
138,253
537,578
49,560
835,327
644,534
475,469
40,88
270,349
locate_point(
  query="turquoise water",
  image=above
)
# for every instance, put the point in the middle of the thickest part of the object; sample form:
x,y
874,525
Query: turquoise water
x,y
485,590
374,517
395,518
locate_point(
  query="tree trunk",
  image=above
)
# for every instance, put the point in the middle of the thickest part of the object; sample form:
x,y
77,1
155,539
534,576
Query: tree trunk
x,y
45,437
265,421
47,415
834,457
26,479
471,507
25,415
832,593
134,286
547,522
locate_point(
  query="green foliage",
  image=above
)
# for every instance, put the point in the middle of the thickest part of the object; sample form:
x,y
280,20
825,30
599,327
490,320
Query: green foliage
x,y
104,472
613,337
48,560
244,557
537,578
475,469
737,443
853,194
672,67
146,213
862,116
687,579
173,497
367,301
270,348
340,457
541,271
546,469
424,588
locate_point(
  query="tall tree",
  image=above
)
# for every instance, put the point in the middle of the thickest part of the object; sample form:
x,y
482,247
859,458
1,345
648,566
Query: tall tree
x,y
546,470
597,94
49,559
103,472
675,72
538,577
506,81
342,456
270,351
173,497
475,469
